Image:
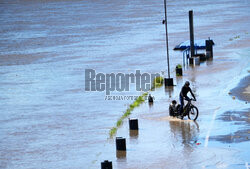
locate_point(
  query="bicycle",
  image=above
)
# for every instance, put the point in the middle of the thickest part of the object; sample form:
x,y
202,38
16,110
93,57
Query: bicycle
x,y
190,110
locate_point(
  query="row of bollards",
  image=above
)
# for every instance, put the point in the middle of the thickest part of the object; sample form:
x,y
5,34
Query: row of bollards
x,y
121,143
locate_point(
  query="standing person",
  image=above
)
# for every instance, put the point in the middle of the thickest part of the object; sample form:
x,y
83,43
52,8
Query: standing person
x,y
150,99
183,95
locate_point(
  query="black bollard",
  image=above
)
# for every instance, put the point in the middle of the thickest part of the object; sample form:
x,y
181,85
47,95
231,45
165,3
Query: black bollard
x,y
169,81
209,48
133,124
106,164
178,71
120,144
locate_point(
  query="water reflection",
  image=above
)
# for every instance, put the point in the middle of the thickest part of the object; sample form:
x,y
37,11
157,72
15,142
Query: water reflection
x,y
134,133
185,132
150,104
179,80
121,154
193,81
169,91
209,61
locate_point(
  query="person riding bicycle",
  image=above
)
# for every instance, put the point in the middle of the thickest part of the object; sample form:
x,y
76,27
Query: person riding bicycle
x,y
183,95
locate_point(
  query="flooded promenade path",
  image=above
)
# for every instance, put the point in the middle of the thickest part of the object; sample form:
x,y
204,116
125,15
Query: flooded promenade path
x,y
219,138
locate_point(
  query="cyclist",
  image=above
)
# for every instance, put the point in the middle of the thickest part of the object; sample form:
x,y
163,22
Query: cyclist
x,y
183,95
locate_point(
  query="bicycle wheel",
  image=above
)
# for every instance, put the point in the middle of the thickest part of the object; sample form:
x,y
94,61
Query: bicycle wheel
x,y
193,113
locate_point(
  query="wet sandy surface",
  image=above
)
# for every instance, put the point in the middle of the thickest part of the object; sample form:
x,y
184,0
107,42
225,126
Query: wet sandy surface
x,y
242,91
235,118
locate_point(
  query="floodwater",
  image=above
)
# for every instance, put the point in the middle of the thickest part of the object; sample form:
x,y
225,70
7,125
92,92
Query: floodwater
x,y
47,120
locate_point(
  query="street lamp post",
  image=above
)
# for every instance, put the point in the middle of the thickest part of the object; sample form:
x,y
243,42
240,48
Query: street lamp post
x,y
168,81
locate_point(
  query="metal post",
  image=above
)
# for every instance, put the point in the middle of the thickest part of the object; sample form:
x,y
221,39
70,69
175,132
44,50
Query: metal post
x,y
183,59
165,7
168,81
191,29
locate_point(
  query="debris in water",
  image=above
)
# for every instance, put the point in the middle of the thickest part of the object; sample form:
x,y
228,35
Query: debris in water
x,y
233,97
